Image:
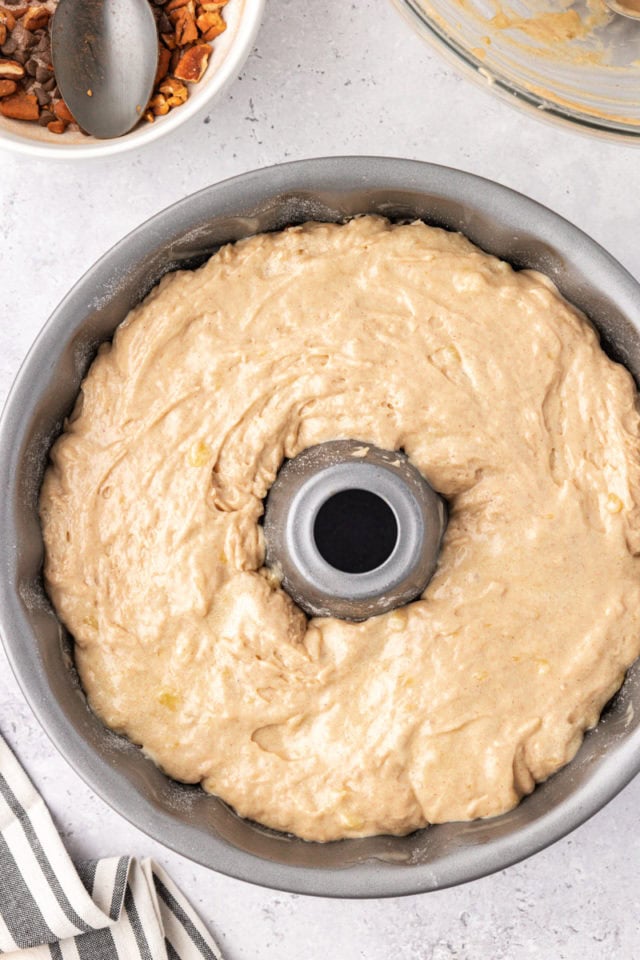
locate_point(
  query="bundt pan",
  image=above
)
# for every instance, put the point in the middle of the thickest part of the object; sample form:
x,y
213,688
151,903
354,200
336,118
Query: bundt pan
x,y
40,651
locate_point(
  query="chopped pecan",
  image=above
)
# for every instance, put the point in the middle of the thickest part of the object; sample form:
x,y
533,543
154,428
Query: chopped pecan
x,y
211,34
27,81
211,25
186,8
36,18
11,70
164,58
174,91
159,106
185,25
62,112
175,59
193,63
21,106
16,10
7,19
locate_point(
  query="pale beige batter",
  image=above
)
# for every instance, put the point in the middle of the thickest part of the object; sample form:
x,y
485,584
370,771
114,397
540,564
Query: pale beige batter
x,y
399,336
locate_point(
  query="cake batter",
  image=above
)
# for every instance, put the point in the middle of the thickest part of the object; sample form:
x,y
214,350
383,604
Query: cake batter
x,y
404,337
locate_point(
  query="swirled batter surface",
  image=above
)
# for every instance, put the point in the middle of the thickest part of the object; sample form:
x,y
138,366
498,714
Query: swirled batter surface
x,y
399,336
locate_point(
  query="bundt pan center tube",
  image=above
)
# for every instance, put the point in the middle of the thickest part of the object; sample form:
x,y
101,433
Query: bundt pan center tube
x,y
351,530
195,824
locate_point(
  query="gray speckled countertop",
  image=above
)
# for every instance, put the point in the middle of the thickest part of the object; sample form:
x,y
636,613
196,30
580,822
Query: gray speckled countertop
x,y
330,78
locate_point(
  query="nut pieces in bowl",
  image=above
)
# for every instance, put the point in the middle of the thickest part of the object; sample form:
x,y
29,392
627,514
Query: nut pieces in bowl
x,y
28,88
226,56
186,30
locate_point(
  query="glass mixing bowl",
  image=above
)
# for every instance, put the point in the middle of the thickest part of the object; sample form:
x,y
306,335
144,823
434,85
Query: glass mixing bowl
x,y
574,61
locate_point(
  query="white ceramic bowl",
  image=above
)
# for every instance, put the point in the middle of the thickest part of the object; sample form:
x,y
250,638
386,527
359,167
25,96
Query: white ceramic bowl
x,y
230,50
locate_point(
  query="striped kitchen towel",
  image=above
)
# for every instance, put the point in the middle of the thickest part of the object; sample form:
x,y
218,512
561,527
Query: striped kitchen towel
x,y
118,908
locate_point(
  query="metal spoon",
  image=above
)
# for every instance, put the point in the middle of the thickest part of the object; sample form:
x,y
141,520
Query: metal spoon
x,y
105,56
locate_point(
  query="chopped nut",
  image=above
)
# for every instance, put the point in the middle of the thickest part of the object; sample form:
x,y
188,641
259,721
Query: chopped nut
x,y
16,11
164,58
175,91
7,19
193,63
11,70
27,80
21,106
36,18
211,25
62,112
175,59
186,29
212,33
159,106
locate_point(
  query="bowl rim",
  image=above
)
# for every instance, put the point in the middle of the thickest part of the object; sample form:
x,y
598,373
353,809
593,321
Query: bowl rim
x,y
250,18
534,105
371,878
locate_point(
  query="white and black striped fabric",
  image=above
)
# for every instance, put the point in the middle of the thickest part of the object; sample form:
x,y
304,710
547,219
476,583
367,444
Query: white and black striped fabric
x,y
113,909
